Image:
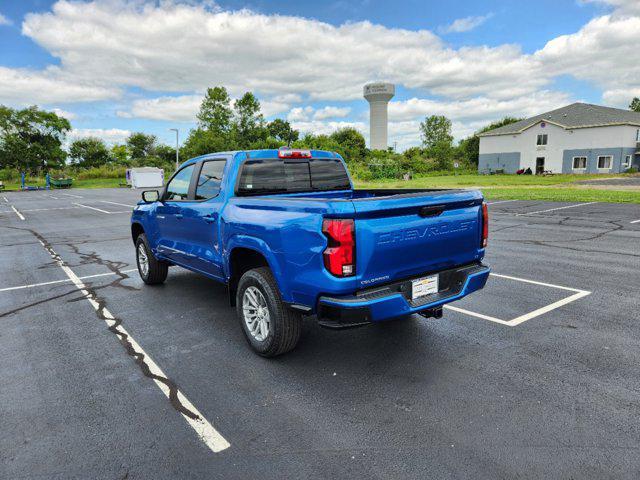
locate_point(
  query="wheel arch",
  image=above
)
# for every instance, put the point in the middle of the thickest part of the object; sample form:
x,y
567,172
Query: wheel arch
x,y
136,230
245,253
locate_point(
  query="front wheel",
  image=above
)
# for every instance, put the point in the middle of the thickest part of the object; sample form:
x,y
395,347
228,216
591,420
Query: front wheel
x,y
269,326
151,270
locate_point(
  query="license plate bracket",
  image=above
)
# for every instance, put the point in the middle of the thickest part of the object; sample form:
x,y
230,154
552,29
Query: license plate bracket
x,y
422,287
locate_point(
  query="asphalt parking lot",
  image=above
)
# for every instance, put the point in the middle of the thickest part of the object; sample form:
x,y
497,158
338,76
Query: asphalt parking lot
x,y
535,377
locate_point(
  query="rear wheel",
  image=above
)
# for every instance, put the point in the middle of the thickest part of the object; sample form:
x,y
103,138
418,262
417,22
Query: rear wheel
x,y
270,327
151,270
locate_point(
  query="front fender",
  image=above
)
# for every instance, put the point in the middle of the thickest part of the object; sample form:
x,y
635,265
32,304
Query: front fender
x,y
144,214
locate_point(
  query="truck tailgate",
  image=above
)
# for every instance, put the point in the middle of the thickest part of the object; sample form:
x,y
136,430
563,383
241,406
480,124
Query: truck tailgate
x,y
406,235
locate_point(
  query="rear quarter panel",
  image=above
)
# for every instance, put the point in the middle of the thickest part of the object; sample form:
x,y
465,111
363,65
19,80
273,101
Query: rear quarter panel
x,y
288,233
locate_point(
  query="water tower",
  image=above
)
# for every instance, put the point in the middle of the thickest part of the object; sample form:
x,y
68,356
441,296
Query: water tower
x,y
378,95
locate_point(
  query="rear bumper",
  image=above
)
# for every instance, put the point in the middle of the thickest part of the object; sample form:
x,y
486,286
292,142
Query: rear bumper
x,y
394,300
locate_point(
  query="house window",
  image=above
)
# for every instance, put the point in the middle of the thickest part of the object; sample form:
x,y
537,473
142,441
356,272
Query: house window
x,y
542,139
579,163
638,135
627,161
604,162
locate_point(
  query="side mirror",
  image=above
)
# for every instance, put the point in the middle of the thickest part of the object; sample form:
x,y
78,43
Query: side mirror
x,y
150,196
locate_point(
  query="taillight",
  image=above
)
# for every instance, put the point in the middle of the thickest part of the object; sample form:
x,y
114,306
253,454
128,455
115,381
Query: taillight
x,y
485,225
339,256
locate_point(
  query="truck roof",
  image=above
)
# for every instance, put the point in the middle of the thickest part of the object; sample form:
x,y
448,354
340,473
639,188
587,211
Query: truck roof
x,y
262,153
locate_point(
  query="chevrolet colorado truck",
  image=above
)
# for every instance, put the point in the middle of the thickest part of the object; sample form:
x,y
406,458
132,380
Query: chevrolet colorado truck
x,y
290,237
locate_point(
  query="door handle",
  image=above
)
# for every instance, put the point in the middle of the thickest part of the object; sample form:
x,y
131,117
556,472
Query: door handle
x,y
210,218
179,216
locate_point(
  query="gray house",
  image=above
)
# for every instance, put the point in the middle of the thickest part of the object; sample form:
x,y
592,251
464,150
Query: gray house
x,y
578,138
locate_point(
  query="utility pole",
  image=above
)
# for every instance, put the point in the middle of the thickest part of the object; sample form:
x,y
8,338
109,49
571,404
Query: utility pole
x,y
177,149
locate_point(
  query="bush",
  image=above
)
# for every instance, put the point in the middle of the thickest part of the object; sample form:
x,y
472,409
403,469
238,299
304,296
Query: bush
x,y
9,175
98,172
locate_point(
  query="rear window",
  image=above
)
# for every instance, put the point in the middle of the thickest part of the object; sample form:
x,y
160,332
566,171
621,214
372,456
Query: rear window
x,y
263,176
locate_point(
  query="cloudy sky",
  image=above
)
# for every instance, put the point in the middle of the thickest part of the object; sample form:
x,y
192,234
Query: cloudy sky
x,y
116,66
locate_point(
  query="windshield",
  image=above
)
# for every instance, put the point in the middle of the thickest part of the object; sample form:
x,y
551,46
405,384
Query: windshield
x,y
263,176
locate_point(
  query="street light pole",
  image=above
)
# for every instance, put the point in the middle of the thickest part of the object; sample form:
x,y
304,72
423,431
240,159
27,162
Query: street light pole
x,y
177,149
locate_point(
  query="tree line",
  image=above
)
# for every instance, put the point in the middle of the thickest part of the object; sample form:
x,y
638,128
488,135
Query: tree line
x,y
33,140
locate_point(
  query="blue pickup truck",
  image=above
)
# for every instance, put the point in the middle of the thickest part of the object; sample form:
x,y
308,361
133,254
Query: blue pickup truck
x,y
290,237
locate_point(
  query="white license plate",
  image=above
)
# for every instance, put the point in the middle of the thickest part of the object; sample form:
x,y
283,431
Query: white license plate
x,y
424,286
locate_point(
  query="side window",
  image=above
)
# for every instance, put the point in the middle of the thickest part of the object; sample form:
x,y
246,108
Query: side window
x,y
178,187
579,163
604,162
209,180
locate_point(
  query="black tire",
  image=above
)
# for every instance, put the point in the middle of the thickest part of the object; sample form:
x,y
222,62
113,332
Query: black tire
x,y
285,324
157,269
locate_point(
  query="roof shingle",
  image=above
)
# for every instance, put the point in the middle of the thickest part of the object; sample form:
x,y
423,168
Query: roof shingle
x,y
576,115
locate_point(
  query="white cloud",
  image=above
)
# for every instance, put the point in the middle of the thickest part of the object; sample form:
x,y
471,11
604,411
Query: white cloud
x,y
176,109
602,52
28,87
184,108
4,20
331,112
278,104
620,97
479,108
622,7
182,47
465,24
325,128
65,114
300,114
111,135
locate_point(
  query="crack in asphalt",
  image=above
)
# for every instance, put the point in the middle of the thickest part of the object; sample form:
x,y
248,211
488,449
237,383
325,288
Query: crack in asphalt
x,y
114,324
39,302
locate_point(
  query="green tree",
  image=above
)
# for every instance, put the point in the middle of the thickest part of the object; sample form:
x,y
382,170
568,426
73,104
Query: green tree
x,y
215,112
89,152
141,145
31,139
469,148
281,130
352,144
442,154
167,154
434,130
635,104
201,141
120,154
318,142
248,122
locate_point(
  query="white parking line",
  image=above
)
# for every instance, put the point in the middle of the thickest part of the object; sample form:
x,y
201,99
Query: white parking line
x,y
47,209
20,216
116,203
554,209
92,208
6,199
66,280
527,316
203,428
501,201
534,282
55,198
635,221
71,195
